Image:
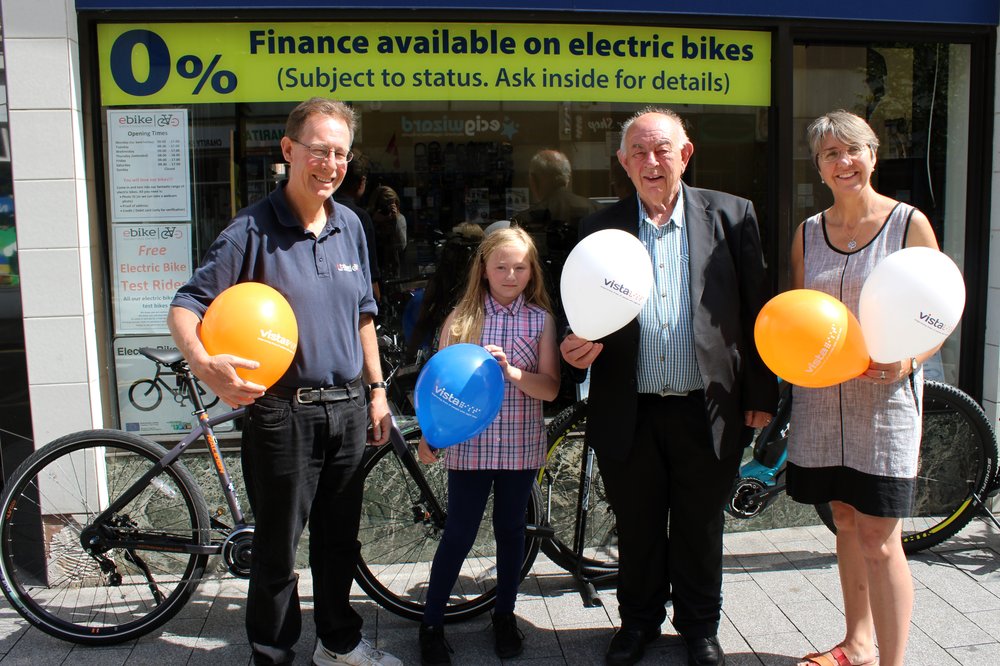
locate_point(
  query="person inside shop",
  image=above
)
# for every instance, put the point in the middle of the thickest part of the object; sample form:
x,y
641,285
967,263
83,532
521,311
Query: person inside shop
x,y
350,194
866,473
444,287
304,437
676,393
390,229
555,211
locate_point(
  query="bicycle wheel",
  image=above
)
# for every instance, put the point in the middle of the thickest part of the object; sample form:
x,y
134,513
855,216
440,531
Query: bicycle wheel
x,y
958,458
560,482
399,537
108,595
145,395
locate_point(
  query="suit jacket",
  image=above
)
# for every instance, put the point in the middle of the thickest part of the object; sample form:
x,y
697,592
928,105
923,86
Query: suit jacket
x,y
728,289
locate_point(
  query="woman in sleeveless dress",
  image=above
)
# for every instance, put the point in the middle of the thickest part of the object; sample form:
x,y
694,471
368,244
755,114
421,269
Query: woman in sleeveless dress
x,y
855,445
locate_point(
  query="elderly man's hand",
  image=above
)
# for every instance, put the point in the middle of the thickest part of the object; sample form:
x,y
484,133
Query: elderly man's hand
x,y
578,352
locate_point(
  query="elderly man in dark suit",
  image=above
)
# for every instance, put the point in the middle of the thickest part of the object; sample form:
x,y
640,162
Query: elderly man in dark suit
x,y
675,394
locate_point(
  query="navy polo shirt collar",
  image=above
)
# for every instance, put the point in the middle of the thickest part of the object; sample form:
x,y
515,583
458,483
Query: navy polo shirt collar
x,y
287,217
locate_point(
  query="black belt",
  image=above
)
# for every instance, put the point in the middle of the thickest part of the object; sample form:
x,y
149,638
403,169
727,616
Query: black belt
x,y
308,395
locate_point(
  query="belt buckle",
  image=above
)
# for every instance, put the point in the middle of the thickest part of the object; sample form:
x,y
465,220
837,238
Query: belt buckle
x,y
299,393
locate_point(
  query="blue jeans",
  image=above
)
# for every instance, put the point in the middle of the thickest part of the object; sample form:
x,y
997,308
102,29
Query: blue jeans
x,y
302,463
468,491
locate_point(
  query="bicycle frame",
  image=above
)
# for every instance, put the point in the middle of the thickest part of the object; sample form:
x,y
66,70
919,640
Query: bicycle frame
x,y
587,581
205,428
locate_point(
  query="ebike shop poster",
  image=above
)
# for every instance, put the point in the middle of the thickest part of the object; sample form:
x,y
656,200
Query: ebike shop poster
x,y
151,262
151,405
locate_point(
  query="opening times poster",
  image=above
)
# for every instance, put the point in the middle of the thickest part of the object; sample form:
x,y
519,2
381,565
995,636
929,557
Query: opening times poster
x,y
148,159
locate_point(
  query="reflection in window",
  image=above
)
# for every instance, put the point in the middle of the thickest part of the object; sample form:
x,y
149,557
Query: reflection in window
x,y
916,98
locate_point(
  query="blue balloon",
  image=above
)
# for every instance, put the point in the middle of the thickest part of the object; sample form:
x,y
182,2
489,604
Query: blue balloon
x,y
458,394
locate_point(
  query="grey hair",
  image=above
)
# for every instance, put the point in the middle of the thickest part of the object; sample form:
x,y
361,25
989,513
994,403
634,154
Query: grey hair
x,y
661,110
554,165
844,126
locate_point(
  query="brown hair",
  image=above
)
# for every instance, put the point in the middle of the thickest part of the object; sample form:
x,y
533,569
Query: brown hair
x,y
323,107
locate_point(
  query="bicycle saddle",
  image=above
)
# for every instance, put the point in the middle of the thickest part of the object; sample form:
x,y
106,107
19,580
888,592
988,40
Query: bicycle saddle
x,y
164,356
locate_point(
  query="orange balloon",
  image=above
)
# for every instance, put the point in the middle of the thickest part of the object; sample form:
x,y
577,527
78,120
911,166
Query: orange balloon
x,y
253,321
811,339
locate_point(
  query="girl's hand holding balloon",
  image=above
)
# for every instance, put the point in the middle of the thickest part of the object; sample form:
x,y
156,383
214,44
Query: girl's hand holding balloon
x,y
425,453
509,371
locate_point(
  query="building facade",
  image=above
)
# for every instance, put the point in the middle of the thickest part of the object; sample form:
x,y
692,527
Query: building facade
x,y
137,129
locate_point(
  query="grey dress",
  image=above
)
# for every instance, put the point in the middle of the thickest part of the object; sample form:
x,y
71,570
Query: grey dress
x,y
856,442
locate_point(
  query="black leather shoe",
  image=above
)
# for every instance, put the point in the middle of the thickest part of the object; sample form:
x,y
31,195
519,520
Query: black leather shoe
x,y
705,651
628,645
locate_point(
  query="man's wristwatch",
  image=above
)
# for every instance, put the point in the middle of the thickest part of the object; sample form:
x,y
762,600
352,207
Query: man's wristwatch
x,y
913,364
376,385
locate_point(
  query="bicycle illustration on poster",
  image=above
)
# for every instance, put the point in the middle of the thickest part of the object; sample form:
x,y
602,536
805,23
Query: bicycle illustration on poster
x,y
150,400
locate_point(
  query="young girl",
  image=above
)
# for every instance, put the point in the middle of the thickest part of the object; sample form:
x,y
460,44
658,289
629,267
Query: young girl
x,y
504,308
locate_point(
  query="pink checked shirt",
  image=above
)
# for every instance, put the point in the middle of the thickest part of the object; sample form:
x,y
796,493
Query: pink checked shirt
x,y
516,439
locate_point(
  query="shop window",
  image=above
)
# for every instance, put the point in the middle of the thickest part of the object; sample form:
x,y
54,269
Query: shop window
x,y
449,163
916,98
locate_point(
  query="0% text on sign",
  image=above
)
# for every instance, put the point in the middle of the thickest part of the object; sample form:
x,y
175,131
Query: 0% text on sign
x,y
144,76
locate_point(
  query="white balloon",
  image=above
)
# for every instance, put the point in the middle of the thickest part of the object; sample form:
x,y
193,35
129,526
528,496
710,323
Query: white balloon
x,y
910,303
496,226
605,282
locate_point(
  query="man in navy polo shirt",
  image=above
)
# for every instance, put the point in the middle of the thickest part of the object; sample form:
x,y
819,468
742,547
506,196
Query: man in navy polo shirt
x,y
304,437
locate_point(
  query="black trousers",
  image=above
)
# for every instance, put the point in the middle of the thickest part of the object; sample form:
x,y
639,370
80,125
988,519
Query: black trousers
x,y
668,496
301,463
468,492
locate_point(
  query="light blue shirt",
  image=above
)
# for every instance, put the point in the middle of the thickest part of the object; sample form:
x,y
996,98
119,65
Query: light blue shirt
x,y
667,361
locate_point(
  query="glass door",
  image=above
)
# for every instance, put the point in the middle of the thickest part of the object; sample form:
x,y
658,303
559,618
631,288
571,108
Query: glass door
x,y
916,96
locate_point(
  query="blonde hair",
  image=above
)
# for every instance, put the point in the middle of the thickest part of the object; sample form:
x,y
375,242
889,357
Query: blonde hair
x,y
470,312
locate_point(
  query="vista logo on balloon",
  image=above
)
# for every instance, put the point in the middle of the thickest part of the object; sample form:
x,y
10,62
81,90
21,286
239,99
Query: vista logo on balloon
x,y
831,340
277,339
449,398
932,322
629,294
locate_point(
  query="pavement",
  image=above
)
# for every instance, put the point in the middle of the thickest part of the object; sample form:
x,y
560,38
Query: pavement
x,y
782,600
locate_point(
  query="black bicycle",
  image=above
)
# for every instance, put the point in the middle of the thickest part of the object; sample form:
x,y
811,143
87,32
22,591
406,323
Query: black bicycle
x,y
957,468
105,535
404,513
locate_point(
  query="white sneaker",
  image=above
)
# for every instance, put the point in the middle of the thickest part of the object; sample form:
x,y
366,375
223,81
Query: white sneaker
x,y
362,655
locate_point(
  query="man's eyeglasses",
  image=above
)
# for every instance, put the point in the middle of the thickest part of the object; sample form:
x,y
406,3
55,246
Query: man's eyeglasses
x,y
836,154
321,152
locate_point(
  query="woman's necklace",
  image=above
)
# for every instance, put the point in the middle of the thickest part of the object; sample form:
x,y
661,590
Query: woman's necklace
x,y
853,243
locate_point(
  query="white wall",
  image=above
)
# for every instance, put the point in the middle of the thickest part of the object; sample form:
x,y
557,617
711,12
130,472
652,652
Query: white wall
x,y
53,225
